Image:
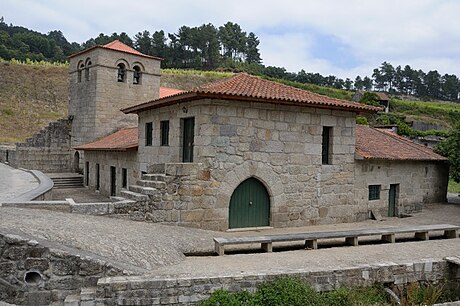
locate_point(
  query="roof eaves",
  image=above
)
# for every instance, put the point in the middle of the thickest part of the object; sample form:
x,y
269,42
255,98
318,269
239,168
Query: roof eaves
x,y
169,100
107,48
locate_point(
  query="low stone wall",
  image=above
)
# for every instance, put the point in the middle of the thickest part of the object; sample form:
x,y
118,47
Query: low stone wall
x,y
189,291
48,151
40,273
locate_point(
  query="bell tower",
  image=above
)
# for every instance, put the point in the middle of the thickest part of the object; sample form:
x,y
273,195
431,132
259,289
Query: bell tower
x,y
103,80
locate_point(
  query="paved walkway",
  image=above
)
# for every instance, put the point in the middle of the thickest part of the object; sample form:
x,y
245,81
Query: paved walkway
x,y
14,182
159,248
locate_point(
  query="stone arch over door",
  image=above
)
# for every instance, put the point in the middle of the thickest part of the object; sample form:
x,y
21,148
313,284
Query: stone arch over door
x,y
249,205
258,170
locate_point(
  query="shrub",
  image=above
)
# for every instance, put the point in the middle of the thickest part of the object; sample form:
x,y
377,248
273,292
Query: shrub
x,y
361,120
286,291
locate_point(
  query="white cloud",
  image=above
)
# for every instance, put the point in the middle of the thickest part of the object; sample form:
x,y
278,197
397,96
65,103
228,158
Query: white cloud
x,y
422,33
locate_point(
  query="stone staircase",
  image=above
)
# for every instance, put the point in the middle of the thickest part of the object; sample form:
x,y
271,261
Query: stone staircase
x,y
148,187
141,197
86,297
66,180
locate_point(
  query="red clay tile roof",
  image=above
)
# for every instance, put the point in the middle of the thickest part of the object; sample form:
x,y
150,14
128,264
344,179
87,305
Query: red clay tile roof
x,y
122,140
246,87
119,46
116,45
372,143
166,92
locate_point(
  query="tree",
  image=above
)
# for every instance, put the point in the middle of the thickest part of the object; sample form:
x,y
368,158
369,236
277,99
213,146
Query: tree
x,y
159,47
379,79
233,41
432,82
252,50
450,148
208,45
359,84
450,87
143,42
348,84
367,83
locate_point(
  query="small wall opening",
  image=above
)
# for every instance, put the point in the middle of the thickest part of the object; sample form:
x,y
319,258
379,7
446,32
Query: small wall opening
x,y
32,278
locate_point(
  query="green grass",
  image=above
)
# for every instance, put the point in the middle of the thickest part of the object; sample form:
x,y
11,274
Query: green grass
x,y
291,291
322,90
453,186
30,62
192,72
443,113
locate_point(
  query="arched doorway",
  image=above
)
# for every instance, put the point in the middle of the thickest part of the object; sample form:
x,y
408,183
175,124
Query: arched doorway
x,y
249,205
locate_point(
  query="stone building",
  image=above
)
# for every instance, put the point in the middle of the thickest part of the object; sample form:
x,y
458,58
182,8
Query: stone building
x,y
382,99
247,152
236,153
395,175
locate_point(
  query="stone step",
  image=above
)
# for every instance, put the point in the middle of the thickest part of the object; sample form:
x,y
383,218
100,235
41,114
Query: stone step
x,y
154,177
134,195
67,180
143,189
153,184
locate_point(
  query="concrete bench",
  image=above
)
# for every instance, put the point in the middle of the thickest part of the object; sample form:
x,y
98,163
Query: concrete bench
x,y
351,236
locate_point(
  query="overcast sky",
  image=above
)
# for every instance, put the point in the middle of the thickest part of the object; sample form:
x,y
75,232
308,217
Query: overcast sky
x,y
339,37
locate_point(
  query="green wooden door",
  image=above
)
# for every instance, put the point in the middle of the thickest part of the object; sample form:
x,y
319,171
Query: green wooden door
x,y
188,139
392,200
249,205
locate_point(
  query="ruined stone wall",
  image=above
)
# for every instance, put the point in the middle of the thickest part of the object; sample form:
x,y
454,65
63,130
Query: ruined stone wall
x,y
279,145
106,159
47,151
419,182
190,291
33,273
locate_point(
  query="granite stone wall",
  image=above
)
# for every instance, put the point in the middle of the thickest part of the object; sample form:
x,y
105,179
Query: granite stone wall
x,y
279,145
96,102
419,182
33,273
47,151
106,159
143,290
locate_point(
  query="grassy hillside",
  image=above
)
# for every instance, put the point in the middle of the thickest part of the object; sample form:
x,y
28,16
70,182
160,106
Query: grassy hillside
x,y
440,113
32,95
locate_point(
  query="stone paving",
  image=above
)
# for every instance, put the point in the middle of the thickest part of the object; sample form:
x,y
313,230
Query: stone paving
x,y
14,182
159,248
